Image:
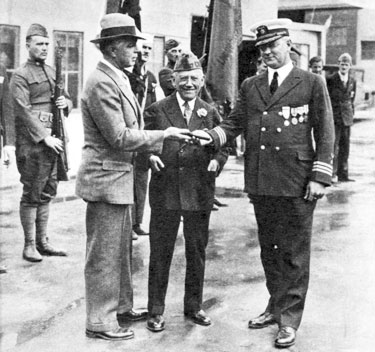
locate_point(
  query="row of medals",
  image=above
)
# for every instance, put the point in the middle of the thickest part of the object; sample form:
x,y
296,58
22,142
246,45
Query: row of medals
x,y
294,115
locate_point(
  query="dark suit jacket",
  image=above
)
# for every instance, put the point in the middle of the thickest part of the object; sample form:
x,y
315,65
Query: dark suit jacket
x,y
281,159
111,120
7,130
342,99
184,183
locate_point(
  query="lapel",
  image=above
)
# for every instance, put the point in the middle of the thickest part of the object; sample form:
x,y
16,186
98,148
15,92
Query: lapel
x,y
261,83
128,94
290,82
173,112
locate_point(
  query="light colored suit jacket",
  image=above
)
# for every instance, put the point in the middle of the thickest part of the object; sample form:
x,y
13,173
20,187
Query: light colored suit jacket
x,y
112,121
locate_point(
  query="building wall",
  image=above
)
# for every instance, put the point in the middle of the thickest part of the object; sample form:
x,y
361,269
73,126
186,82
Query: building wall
x,y
342,33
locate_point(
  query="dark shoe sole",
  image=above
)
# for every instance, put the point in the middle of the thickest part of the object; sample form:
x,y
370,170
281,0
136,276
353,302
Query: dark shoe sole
x,y
32,260
98,335
284,345
155,329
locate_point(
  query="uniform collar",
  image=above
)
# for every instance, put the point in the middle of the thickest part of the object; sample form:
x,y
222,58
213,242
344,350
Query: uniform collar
x,y
282,72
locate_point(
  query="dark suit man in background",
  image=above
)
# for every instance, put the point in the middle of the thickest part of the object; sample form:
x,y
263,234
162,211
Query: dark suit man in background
x,y
182,184
7,132
342,89
284,174
143,83
32,87
112,120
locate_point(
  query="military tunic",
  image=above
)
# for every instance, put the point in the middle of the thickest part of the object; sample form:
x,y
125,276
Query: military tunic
x,y
32,87
289,142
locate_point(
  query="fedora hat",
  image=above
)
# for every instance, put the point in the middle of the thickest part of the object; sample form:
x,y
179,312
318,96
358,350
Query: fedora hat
x,y
271,30
117,25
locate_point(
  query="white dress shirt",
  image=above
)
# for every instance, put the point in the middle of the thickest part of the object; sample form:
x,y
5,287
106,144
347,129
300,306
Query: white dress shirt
x,y
181,103
282,72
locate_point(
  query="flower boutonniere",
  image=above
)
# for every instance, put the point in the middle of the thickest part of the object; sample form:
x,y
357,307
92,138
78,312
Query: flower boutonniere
x,y
202,112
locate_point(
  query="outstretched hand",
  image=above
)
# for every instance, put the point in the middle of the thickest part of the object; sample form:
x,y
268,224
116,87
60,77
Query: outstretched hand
x,y
177,133
203,137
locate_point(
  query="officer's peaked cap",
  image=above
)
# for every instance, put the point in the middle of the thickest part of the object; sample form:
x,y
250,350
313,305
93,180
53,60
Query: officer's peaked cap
x,y
115,26
187,62
271,30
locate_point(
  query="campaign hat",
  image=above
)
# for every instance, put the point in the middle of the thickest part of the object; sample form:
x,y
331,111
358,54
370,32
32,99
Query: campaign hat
x,y
115,26
36,29
271,30
187,62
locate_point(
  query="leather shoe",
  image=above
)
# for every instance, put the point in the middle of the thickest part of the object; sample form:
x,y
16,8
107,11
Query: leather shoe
x,y
156,323
265,319
199,318
286,337
214,208
113,335
137,229
219,204
346,179
134,236
133,315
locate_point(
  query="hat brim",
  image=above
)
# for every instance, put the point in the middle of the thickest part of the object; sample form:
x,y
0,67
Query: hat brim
x,y
268,40
113,37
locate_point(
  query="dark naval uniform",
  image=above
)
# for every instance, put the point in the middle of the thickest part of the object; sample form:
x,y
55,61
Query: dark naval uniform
x,y
342,99
185,188
289,142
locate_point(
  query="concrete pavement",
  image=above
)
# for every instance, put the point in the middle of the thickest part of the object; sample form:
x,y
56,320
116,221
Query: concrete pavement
x,y
43,307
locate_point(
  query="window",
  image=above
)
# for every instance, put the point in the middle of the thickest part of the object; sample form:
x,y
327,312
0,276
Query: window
x,y
71,44
157,56
10,46
337,36
368,50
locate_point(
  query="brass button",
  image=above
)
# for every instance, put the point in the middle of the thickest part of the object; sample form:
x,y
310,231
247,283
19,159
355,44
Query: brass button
x,y
277,148
263,129
262,147
265,113
278,129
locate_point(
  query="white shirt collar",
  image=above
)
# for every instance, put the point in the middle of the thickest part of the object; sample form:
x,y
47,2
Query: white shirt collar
x,y
181,102
283,72
344,78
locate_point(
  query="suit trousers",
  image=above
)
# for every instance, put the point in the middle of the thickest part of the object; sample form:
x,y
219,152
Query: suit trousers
x,y
108,274
140,191
164,226
284,231
341,151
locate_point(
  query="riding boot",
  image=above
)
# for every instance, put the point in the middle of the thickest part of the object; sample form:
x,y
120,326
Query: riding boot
x,y
28,217
42,243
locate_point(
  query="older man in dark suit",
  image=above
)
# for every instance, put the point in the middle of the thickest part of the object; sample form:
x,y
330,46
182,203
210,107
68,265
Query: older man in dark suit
x,y
182,184
112,121
279,111
342,89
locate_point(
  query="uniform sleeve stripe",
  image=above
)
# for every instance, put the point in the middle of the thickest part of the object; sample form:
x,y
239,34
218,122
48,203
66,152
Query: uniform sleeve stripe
x,y
221,134
322,167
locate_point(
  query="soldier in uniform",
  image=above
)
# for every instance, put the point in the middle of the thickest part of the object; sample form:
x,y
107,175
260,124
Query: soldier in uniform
x,y
284,173
182,184
342,89
172,52
32,88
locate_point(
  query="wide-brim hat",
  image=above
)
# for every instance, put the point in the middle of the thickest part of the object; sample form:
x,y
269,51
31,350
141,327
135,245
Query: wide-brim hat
x,y
271,30
115,26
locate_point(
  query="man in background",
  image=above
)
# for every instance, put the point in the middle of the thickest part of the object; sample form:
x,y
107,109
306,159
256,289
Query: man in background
x,y
342,89
316,65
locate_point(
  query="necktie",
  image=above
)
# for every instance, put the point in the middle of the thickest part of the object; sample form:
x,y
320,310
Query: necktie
x,y
274,83
187,112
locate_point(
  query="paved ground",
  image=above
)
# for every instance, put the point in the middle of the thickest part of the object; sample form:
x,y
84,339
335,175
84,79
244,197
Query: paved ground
x,y
43,307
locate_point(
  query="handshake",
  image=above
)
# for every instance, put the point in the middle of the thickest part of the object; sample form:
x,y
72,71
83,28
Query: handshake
x,y
184,134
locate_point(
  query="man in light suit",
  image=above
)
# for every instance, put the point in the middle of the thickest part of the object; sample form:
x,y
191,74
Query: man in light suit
x,y
342,89
112,121
284,174
182,185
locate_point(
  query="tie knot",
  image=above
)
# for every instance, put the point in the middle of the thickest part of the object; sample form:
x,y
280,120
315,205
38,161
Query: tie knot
x,y
275,75
186,105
